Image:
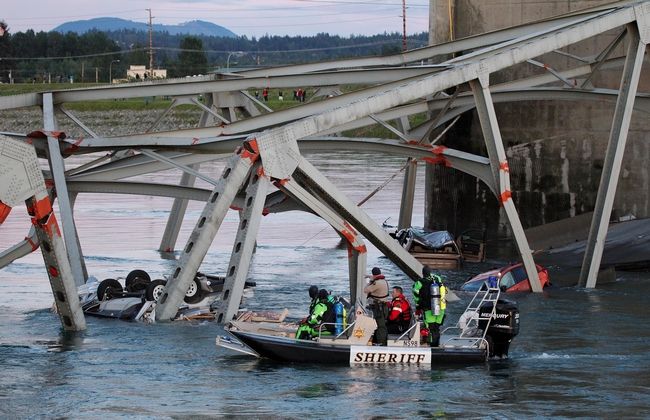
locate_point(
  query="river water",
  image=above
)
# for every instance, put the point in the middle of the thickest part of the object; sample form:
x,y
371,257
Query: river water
x,y
579,353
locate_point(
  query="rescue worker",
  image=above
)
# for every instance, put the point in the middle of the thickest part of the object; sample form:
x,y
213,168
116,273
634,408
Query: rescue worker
x,y
377,293
322,313
313,295
399,315
423,301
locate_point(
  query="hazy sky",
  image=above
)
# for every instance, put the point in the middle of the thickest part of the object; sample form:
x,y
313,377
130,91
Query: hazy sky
x,y
244,17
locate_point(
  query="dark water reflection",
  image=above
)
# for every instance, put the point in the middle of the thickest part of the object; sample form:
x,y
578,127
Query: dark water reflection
x,y
579,354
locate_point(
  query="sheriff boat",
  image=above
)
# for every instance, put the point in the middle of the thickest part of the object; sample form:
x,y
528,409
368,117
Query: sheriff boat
x,y
485,329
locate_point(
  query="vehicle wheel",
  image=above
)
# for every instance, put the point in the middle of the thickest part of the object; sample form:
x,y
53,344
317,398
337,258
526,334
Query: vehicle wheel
x,y
155,290
137,285
136,274
107,288
194,293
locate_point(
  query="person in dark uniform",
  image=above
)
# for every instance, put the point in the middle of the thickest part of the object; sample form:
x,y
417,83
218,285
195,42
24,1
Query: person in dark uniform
x,y
377,294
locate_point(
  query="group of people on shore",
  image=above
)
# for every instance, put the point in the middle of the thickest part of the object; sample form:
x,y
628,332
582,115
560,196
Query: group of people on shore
x,y
393,316
298,95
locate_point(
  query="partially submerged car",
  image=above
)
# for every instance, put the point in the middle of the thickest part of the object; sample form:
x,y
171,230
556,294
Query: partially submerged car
x,y
510,278
135,297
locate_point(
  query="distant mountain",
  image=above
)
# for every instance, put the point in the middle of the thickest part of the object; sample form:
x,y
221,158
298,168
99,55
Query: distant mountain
x,y
195,27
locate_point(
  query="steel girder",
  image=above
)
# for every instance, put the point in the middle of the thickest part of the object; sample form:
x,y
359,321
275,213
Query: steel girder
x,y
57,168
233,177
613,157
23,182
244,245
279,147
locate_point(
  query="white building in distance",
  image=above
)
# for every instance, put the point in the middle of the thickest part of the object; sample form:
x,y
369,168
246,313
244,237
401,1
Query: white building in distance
x,y
141,73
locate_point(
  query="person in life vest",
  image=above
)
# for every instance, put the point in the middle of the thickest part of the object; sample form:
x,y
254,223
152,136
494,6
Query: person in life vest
x,y
431,307
377,293
313,295
322,313
399,315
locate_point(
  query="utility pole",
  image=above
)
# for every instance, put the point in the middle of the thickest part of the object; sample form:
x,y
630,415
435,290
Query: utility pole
x,y
82,71
96,74
150,46
404,47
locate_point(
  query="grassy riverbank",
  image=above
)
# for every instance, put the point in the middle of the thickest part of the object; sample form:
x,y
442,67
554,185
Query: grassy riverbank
x,y
157,103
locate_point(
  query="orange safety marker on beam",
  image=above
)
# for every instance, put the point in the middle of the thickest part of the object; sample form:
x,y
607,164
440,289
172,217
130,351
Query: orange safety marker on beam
x,y
74,146
505,196
438,150
504,166
40,209
33,244
4,212
41,134
439,160
250,150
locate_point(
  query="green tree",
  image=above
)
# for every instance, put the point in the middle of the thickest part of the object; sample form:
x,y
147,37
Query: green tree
x,y
192,59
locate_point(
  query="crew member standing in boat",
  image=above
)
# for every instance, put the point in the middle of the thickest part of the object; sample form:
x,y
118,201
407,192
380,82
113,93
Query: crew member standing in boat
x,y
399,315
429,295
377,294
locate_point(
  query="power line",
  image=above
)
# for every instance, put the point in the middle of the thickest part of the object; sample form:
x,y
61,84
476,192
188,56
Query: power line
x,y
373,3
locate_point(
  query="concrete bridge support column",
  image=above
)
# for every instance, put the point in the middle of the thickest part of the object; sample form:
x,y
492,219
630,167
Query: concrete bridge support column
x,y
499,163
613,158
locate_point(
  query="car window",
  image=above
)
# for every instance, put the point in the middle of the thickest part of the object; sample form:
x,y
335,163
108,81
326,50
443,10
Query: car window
x,y
519,274
472,286
507,280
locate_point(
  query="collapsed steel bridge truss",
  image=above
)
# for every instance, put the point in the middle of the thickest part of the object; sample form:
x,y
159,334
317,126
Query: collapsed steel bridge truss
x,y
268,166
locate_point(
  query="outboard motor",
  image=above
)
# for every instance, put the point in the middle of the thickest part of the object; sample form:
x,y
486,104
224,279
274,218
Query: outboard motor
x,y
503,327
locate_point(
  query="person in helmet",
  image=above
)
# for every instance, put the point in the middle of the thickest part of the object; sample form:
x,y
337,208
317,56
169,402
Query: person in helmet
x,y
313,295
431,307
322,313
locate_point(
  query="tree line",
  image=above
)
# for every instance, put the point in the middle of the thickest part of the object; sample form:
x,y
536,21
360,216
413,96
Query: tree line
x,y
52,56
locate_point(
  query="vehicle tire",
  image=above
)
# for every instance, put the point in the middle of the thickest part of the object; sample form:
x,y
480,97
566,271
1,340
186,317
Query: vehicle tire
x,y
194,293
155,289
107,288
138,285
136,274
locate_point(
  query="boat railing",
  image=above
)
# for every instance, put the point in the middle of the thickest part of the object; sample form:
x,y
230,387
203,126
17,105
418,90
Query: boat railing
x,y
407,333
324,324
470,334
